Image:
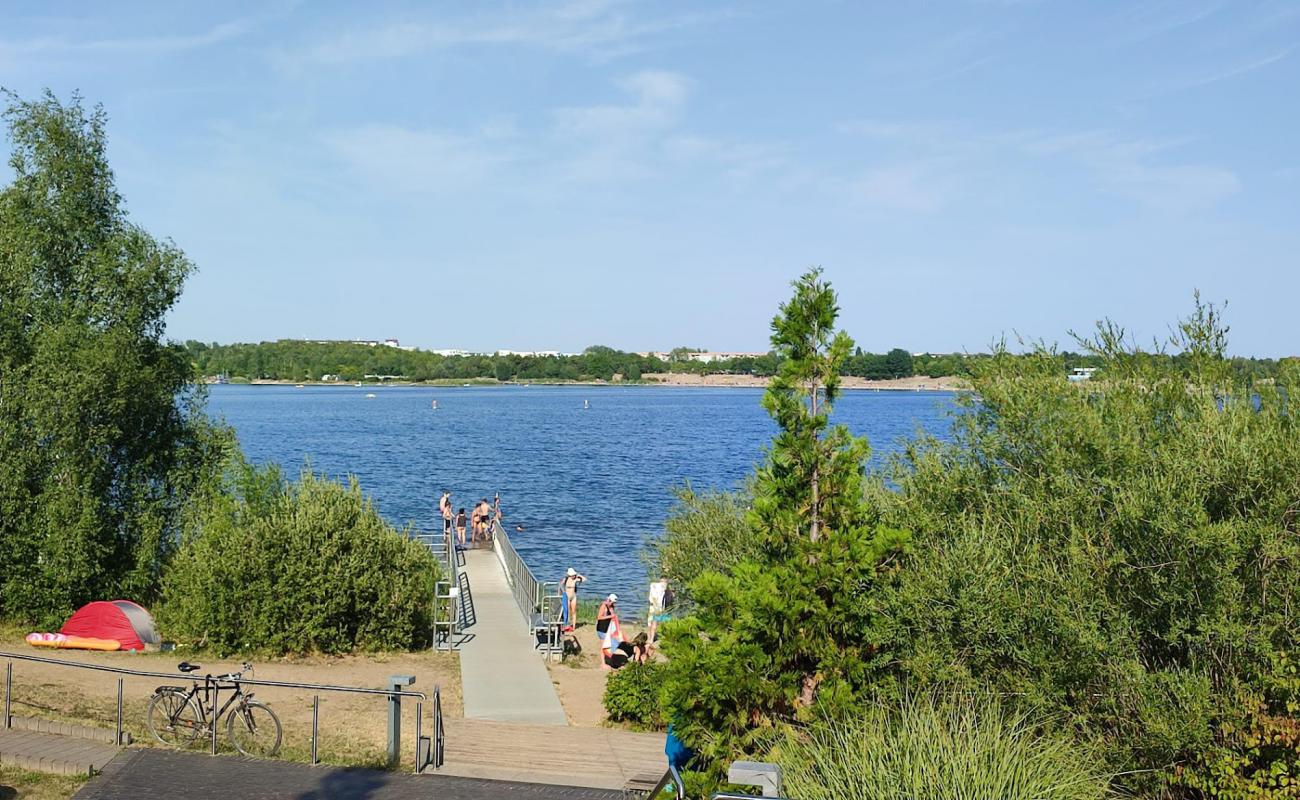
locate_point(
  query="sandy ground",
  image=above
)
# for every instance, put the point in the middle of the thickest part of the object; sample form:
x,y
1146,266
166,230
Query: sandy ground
x,y
580,681
353,726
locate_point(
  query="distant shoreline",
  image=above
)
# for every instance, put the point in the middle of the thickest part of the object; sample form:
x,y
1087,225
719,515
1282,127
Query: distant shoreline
x,y
670,379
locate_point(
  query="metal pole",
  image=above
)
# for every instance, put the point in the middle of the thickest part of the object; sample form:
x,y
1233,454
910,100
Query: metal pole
x,y
215,692
419,736
395,684
118,740
315,729
9,688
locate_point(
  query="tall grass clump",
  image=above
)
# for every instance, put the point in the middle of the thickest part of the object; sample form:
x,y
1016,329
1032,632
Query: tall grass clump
x,y
938,748
308,567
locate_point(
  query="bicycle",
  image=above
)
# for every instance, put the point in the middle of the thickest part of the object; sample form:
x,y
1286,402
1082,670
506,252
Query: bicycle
x,y
177,715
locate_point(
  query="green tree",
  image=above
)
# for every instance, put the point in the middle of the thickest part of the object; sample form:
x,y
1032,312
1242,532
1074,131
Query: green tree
x,y
787,634
502,369
898,363
101,431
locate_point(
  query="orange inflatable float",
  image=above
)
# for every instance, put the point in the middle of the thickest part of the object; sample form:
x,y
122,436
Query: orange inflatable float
x,y
63,641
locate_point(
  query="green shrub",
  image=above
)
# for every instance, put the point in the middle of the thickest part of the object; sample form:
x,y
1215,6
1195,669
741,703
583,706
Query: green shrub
x,y
937,749
1123,554
307,567
634,695
704,532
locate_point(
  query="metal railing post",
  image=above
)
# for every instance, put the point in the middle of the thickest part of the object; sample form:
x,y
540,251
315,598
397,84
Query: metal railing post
x,y
395,684
9,689
419,736
118,739
315,728
216,692
439,735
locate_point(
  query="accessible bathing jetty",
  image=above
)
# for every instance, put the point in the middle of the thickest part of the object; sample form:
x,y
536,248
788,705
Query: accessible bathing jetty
x,y
505,624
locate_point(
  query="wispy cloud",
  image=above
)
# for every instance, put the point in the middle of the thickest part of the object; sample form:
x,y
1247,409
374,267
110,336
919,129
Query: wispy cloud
x,y
920,187
1232,70
394,158
599,28
933,164
621,139
134,45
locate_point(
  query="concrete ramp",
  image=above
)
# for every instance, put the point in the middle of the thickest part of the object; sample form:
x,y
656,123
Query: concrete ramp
x,y
503,677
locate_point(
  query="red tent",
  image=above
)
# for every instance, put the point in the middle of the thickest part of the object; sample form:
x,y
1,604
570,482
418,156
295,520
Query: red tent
x,y
128,623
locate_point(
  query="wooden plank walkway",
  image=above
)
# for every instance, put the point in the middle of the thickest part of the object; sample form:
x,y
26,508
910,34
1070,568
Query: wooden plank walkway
x,y
503,677
48,752
601,758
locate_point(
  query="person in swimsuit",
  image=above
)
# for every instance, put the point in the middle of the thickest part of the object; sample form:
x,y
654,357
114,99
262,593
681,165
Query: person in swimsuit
x,y
569,586
482,510
460,527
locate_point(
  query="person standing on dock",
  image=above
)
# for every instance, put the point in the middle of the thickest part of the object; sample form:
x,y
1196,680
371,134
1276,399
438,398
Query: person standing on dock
x,y
460,527
444,508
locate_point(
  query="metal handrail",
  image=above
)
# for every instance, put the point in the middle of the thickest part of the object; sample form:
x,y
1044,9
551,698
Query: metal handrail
x,y
320,687
391,694
523,583
671,778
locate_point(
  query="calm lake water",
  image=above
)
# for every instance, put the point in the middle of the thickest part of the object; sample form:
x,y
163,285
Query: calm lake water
x,y
589,486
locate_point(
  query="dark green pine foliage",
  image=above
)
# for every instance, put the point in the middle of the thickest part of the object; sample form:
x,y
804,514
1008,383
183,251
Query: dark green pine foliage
x,y
788,635
99,435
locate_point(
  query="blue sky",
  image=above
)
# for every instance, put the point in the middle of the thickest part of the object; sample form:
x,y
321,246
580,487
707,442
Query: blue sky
x,y
647,175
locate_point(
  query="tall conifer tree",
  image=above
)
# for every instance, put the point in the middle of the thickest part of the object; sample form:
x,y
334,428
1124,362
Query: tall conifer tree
x,y
788,635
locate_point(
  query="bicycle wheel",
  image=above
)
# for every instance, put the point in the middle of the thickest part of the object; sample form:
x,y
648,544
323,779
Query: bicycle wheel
x,y
254,729
174,718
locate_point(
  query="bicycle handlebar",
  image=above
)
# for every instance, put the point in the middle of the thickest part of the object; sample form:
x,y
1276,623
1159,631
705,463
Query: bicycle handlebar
x,y
229,676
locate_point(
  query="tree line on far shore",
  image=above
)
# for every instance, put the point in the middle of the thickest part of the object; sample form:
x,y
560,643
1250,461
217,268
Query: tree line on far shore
x,y
300,360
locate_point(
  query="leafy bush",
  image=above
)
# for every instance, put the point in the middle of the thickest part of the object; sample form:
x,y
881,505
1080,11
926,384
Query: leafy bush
x,y
1124,554
308,567
938,749
704,532
634,695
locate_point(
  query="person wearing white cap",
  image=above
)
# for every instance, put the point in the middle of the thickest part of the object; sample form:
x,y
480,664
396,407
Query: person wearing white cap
x,y
570,587
607,629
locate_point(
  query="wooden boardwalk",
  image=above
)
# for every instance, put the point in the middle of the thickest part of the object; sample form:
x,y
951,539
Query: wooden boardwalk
x,y
600,758
49,752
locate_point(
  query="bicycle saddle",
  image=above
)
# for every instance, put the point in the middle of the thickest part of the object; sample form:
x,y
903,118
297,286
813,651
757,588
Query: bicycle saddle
x,y
186,666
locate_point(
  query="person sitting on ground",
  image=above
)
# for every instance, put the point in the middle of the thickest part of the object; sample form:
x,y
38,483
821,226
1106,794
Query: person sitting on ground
x,y
569,591
460,527
637,650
